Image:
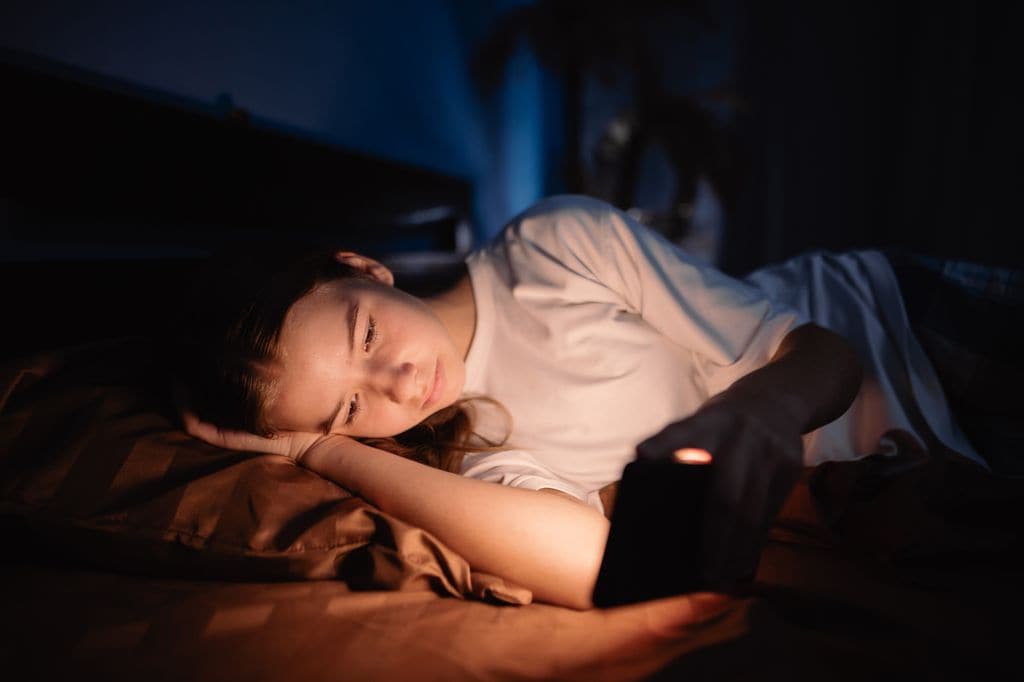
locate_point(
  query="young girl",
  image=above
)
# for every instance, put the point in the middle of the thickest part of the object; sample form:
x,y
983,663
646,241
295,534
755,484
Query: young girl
x,y
574,341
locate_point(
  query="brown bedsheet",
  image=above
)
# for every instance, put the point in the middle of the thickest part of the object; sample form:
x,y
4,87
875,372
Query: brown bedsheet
x,y
878,569
105,626
820,611
824,607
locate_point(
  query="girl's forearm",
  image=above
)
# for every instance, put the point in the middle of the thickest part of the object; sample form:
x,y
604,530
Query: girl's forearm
x,y
810,381
546,543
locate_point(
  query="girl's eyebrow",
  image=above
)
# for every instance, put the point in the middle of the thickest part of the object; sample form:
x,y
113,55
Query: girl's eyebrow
x,y
351,318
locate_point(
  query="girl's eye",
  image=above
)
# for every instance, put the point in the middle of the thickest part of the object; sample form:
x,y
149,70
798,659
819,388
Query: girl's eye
x,y
353,408
371,335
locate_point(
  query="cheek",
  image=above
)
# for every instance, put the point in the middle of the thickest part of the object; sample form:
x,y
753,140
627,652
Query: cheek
x,y
455,381
392,420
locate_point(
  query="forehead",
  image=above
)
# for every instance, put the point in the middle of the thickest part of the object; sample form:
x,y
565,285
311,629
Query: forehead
x,y
318,311
313,356
323,297
316,327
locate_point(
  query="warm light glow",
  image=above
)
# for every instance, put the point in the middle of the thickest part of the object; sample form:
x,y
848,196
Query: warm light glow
x,y
692,456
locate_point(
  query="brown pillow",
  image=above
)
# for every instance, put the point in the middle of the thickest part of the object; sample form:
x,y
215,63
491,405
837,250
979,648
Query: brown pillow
x,y
93,466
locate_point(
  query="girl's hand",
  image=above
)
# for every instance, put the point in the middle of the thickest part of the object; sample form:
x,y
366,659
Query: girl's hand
x,y
757,459
292,444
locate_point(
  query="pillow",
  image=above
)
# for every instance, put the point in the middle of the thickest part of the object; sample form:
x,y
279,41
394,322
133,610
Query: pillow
x,y
94,467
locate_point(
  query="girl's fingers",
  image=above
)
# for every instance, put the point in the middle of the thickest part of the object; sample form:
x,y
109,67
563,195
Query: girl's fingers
x,y
726,505
194,427
232,440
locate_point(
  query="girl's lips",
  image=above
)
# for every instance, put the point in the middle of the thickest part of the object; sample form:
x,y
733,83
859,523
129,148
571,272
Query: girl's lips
x,y
437,387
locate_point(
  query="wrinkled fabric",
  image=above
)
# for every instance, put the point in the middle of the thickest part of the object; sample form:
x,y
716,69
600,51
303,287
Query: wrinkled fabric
x,y
93,464
89,625
901,399
882,568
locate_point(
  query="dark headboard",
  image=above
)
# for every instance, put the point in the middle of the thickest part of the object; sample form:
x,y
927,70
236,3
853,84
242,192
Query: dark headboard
x,y
89,158
111,193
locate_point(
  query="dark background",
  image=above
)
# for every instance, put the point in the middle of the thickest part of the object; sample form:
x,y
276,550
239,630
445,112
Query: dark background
x,y
136,137
815,125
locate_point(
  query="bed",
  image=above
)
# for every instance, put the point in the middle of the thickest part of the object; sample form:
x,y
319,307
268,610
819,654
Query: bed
x,y
136,552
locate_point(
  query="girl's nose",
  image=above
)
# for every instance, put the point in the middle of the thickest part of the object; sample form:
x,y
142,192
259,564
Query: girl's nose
x,y
397,381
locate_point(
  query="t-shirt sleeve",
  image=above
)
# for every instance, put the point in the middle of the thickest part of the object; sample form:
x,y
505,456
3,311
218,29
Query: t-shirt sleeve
x,y
519,469
581,249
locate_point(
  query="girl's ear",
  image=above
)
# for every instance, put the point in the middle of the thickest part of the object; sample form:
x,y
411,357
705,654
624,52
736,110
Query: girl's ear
x,y
366,265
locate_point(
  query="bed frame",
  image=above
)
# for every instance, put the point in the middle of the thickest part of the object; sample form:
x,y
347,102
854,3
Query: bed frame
x,y
110,194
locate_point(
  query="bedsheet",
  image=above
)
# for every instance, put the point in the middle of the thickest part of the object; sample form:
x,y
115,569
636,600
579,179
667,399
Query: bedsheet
x,y
106,626
865,602
884,568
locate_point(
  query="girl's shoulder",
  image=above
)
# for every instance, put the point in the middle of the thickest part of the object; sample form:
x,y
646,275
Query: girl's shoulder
x,y
565,214
566,244
568,224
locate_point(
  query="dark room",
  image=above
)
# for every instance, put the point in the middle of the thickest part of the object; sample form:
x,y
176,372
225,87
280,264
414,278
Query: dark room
x,y
511,340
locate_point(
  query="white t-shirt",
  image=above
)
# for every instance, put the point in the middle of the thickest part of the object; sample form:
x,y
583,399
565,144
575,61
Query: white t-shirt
x,y
596,332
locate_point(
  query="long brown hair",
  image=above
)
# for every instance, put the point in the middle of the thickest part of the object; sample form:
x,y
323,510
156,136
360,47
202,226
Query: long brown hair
x,y
229,340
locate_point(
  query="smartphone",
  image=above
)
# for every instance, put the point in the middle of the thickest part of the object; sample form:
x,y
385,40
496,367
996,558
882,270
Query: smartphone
x,y
654,545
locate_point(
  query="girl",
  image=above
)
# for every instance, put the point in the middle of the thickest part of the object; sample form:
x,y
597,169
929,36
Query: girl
x,y
602,341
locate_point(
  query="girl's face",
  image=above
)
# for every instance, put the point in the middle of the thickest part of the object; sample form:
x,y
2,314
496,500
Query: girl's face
x,y
361,358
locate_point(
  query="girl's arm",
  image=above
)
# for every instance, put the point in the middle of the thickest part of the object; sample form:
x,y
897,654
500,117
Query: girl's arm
x,y
753,430
810,381
549,544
